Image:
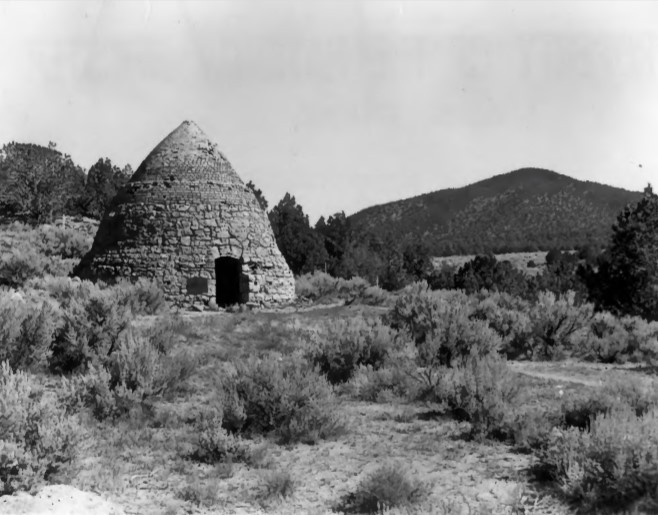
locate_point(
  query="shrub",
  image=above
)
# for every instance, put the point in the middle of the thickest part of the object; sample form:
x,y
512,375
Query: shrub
x,y
457,339
142,297
579,411
41,251
94,317
414,311
55,287
38,328
143,367
443,329
92,324
387,487
287,398
26,331
61,241
508,316
383,384
443,277
93,390
639,395
278,484
319,286
135,372
554,322
215,444
648,347
375,296
37,438
611,339
482,391
17,267
199,493
486,272
346,344
642,344
611,465
529,427
316,285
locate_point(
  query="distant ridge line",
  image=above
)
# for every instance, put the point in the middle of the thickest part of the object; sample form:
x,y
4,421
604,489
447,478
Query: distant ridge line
x,y
527,209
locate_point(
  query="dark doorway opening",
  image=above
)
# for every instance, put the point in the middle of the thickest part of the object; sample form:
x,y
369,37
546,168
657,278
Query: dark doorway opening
x,y
232,288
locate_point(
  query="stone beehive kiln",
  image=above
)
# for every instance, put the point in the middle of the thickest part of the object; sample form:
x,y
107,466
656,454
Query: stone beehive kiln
x,y
186,219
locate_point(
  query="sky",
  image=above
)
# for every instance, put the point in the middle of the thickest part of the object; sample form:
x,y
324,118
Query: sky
x,y
344,104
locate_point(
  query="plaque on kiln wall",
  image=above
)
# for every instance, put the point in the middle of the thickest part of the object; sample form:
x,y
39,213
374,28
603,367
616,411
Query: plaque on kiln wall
x,y
197,285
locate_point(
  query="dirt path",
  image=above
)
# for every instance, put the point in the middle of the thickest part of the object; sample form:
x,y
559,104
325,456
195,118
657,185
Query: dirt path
x,y
578,372
559,377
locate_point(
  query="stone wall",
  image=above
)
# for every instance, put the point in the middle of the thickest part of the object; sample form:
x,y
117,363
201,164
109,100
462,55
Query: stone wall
x,y
183,208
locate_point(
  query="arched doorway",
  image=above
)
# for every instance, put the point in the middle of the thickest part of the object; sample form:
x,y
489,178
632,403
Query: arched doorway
x,y
231,286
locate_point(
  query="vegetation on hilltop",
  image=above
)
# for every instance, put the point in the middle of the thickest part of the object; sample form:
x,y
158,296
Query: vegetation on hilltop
x,y
525,210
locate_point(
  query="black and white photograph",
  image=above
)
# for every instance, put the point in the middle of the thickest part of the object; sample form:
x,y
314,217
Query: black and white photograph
x,y
321,257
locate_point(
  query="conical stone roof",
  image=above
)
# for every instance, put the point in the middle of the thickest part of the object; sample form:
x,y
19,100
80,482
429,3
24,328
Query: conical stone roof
x,y
184,209
186,154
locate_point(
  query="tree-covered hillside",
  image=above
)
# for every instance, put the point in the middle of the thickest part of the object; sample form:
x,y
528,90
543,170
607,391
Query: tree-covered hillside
x,y
524,210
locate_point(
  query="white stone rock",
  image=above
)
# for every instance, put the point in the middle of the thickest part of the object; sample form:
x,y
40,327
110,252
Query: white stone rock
x,y
58,500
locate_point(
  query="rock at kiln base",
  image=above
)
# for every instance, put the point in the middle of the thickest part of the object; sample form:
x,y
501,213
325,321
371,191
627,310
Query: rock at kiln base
x,y
58,500
187,220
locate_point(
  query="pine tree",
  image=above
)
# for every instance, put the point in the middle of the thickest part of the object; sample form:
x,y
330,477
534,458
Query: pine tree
x,y
626,282
39,183
103,182
262,202
301,246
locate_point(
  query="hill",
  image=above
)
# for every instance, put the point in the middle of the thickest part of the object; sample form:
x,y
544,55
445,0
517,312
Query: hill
x,y
525,210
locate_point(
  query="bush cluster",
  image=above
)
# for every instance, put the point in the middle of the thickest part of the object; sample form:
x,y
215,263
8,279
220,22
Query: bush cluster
x,y
37,437
85,329
481,391
320,286
35,252
139,369
283,397
508,316
344,345
215,444
396,380
611,465
443,328
618,340
555,321
27,330
388,486
551,327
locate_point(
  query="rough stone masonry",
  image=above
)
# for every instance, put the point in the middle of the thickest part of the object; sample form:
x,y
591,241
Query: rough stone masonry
x,y
187,220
